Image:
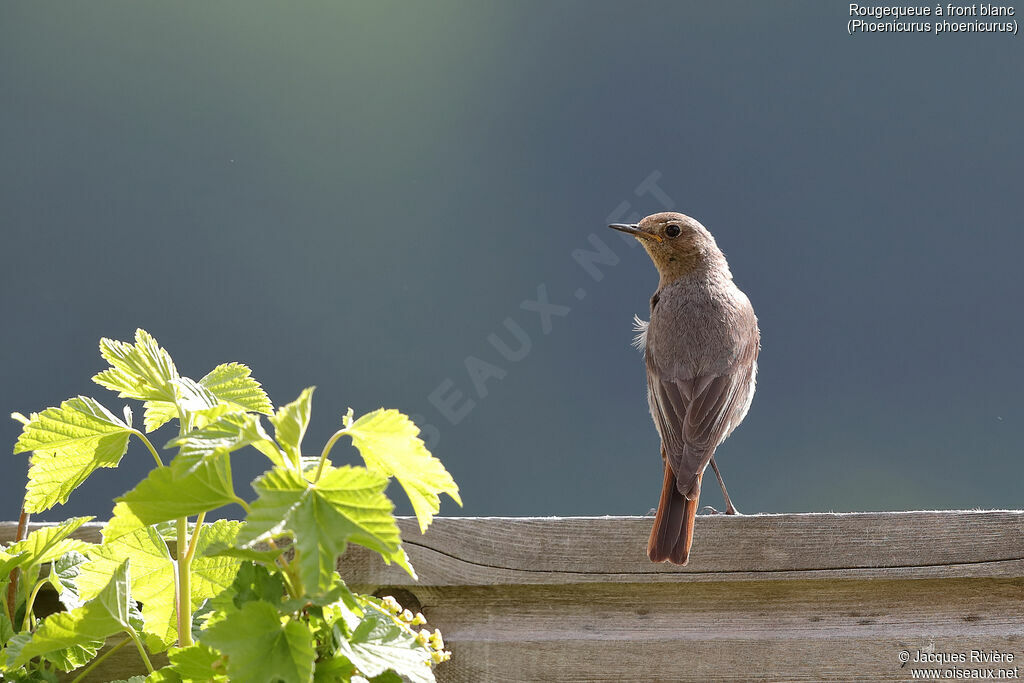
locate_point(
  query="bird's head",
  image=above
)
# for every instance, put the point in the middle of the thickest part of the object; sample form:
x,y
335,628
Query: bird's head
x,y
678,245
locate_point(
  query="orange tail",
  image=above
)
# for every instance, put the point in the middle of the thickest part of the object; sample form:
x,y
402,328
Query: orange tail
x,y
672,534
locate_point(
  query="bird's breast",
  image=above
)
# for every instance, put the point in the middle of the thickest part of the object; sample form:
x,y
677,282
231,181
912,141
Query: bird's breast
x,y
698,333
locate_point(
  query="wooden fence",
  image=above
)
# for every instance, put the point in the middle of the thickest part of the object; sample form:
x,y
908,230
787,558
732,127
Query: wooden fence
x,y
841,597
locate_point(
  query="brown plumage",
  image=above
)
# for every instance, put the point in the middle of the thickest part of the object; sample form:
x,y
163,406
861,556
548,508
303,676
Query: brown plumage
x,y
700,349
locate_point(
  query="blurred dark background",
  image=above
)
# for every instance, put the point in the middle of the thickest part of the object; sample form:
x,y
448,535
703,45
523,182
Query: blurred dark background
x,y
356,195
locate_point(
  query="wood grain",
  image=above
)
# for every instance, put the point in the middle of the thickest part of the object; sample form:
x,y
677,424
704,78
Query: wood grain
x,y
802,597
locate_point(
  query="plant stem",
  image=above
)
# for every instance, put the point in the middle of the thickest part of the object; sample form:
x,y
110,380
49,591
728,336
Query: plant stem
x,y
7,612
149,445
327,449
194,541
28,606
141,648
291,581
12,587
184,588
96,662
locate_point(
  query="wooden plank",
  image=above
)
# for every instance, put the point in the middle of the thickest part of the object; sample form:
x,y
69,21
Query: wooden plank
x,y
766,597
498,550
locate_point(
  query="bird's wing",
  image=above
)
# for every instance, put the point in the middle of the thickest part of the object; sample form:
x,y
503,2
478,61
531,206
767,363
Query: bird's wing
x,y
695,415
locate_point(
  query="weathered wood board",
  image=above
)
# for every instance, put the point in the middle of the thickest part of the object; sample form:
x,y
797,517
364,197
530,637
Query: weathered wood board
x,y
766,597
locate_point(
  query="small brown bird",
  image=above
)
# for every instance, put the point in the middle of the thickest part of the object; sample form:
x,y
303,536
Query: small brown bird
x,y
700,349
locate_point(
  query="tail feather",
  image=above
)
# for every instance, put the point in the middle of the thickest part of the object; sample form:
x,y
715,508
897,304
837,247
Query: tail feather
x,y
672,534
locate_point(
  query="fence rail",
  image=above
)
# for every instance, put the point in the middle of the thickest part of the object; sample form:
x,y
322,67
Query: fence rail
x,y
777,597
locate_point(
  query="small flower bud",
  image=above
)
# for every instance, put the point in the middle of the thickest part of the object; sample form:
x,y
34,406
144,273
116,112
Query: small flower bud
x,y
436,640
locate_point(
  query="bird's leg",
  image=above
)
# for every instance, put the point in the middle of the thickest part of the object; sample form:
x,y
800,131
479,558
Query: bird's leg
x,y
730,509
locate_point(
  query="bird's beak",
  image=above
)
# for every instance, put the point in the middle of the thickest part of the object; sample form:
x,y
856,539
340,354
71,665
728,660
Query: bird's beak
x,y
635,231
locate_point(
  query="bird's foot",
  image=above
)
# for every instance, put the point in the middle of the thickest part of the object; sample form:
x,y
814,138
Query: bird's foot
x,y
652,512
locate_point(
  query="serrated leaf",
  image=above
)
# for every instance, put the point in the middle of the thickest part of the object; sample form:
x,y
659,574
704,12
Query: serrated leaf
x,y
71,658
261,647
64,578
233,383
229,432
69,443
193,396
254,582
253,554
8,561
333,669
153,574
211,574
337,594
290,423
48,543
378,644
106,614
346,505
389,443
65,659
6,629
181,490
122,522
198,663
228,384
157,414
142,370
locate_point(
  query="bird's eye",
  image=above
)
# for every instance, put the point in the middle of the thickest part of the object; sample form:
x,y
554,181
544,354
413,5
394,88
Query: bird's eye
x,y
672,231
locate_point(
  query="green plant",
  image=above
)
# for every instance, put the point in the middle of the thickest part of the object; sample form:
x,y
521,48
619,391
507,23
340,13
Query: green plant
x,y
258,600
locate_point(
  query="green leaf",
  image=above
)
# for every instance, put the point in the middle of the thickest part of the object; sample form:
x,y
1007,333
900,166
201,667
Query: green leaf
x,y
122,522
87,626
69,443
290,423
229,432
198,663
211,574
65,659
330,670
228,384
153,582
71,658
48,543
231,383
261,646
255,582
158,413
6,628
180,490
347,505
142,370
9,561
379,644
389,443
64,577
152,575
266,556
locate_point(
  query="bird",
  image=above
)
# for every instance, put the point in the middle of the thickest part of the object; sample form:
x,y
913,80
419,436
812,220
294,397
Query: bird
x,y
700,351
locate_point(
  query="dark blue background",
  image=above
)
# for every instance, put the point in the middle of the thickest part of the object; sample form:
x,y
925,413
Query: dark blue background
x,y
355,195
